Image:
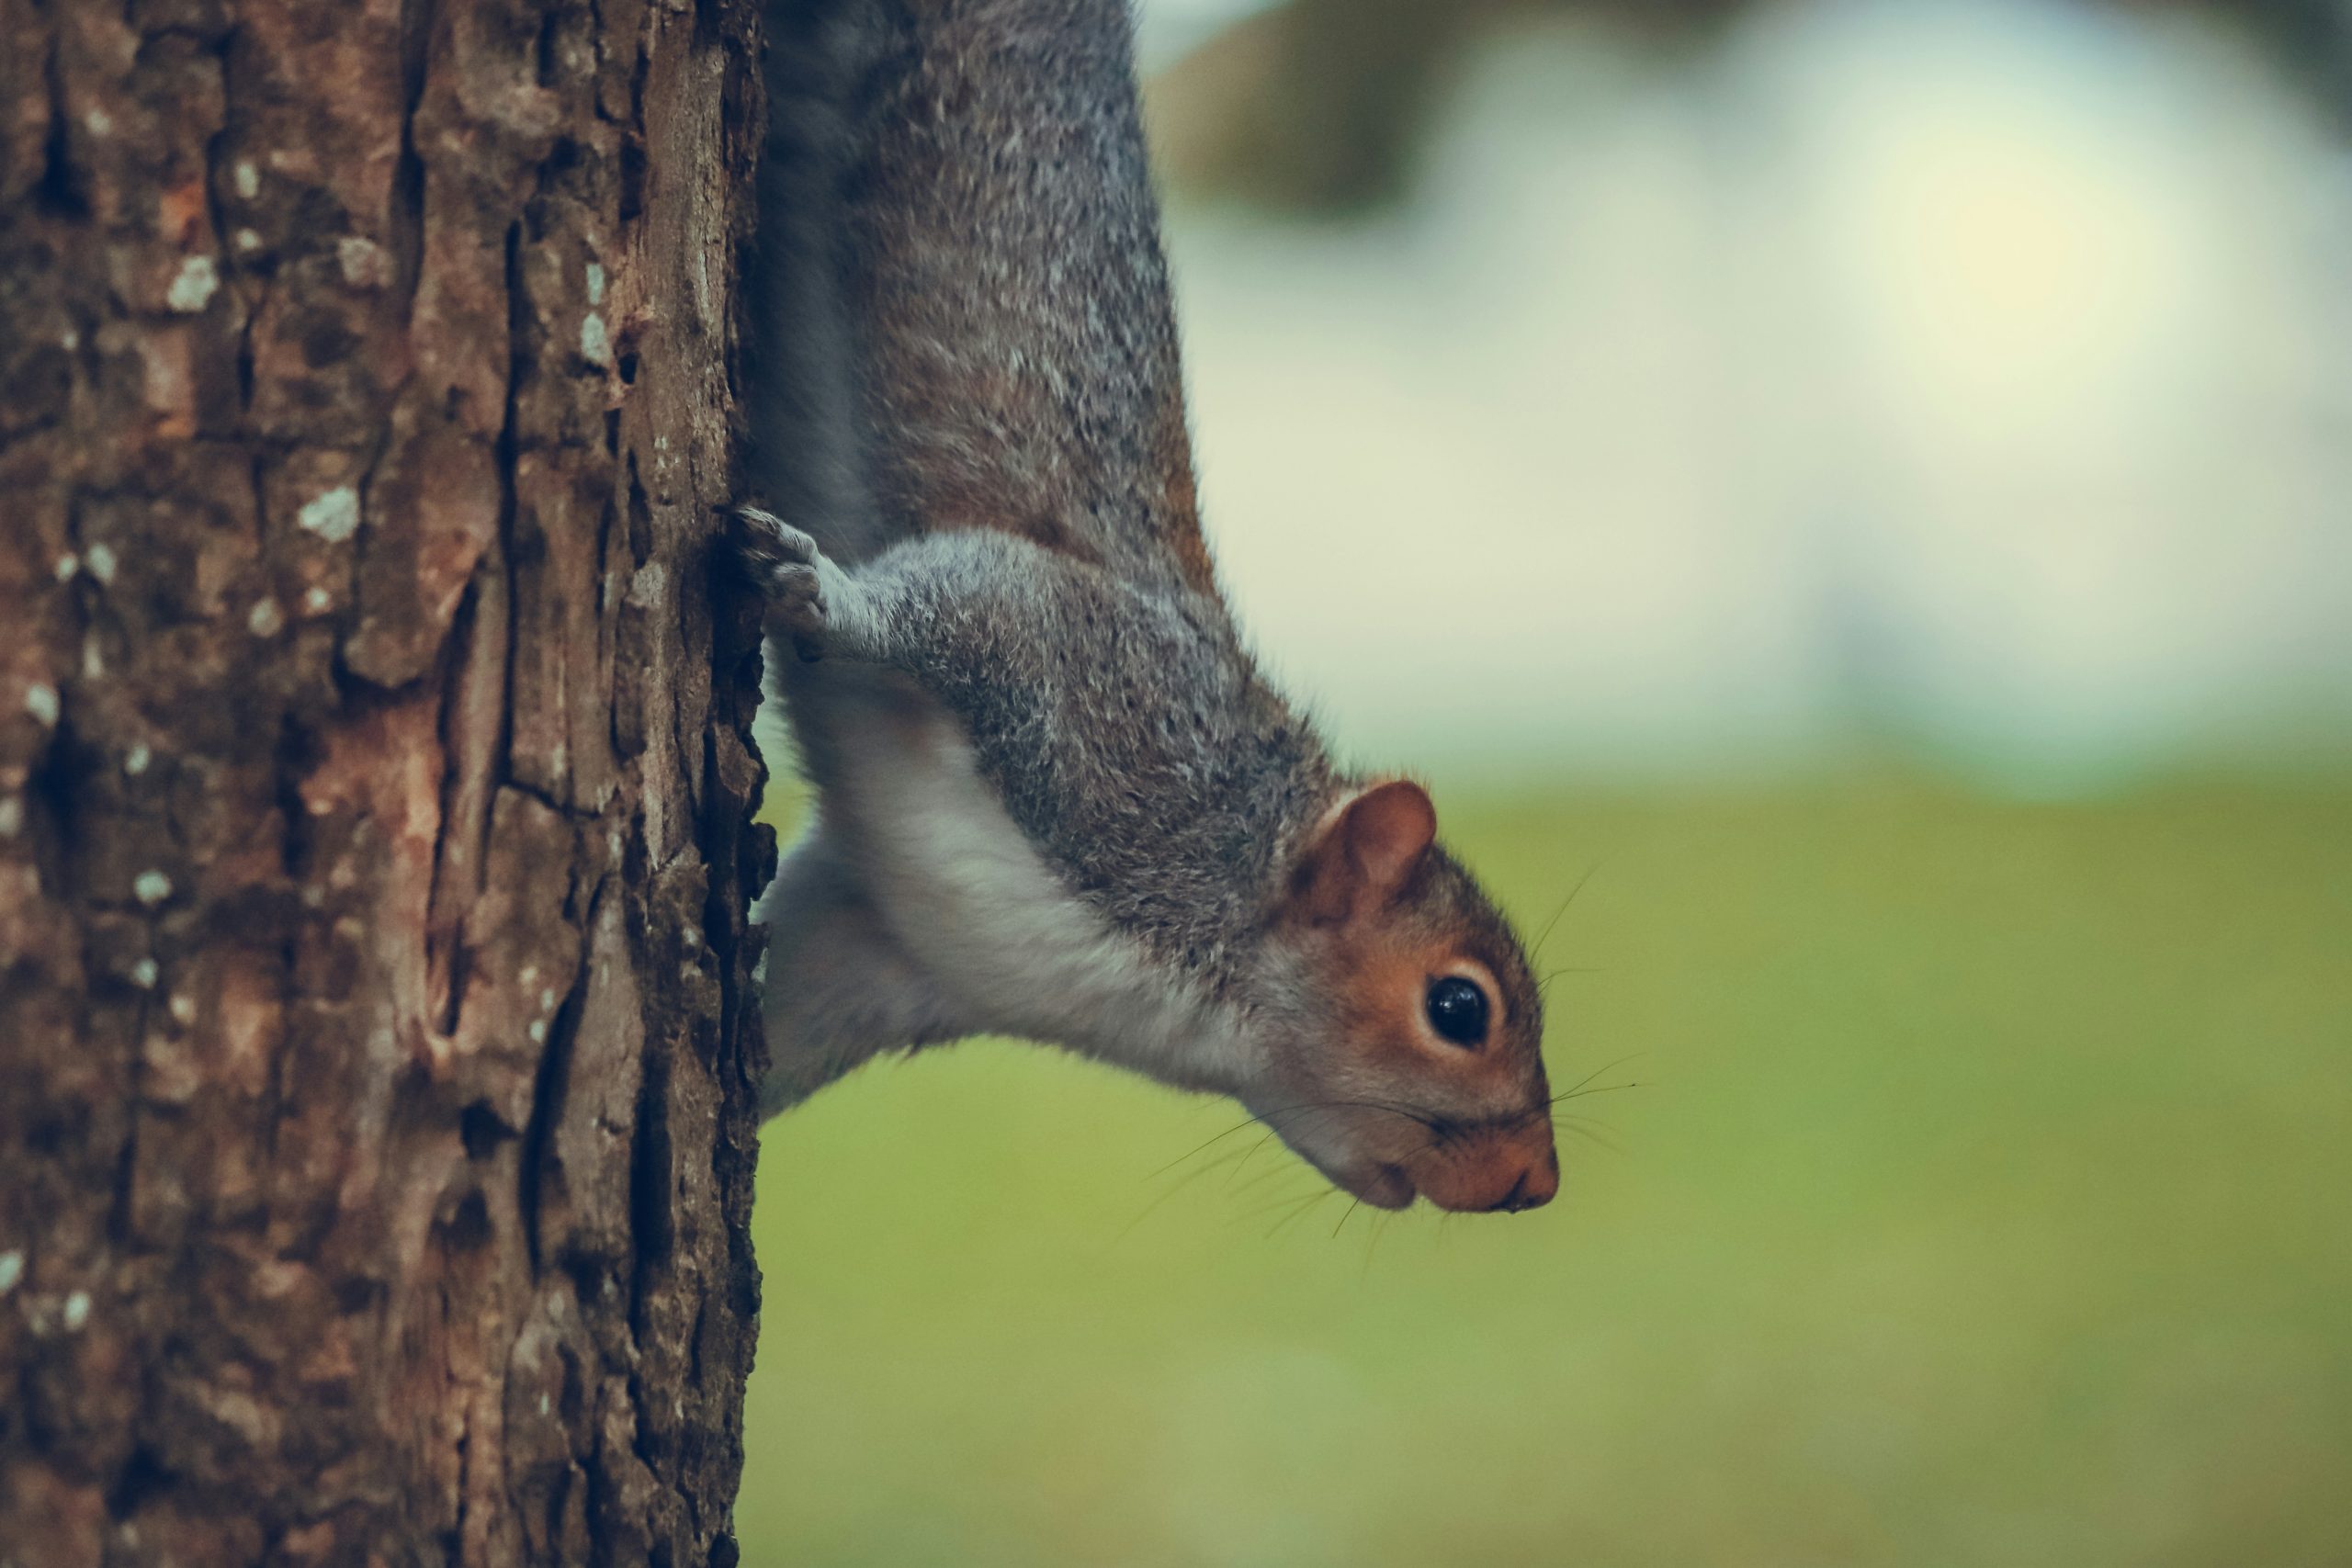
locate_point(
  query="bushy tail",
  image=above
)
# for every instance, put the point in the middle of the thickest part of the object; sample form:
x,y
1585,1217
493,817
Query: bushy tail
x,y
963,315
809,460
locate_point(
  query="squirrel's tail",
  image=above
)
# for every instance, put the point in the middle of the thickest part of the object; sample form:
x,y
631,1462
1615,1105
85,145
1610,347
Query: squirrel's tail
x,y
963,313
809,460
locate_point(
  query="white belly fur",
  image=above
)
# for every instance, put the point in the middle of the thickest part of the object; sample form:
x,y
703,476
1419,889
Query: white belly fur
x,y
971,903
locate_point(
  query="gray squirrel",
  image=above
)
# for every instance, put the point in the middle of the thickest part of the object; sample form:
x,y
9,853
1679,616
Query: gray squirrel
x,y
1055,798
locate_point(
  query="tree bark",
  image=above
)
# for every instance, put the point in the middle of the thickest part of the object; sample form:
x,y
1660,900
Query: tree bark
x,y
378,1059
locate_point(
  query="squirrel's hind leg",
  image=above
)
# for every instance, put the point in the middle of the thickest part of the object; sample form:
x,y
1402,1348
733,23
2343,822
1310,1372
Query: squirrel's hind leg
x,y
839,988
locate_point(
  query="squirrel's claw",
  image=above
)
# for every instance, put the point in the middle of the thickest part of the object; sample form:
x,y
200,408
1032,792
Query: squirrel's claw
x,y
783,561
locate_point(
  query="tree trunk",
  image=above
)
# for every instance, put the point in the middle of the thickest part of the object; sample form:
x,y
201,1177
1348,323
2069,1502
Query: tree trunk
x,y
376,1054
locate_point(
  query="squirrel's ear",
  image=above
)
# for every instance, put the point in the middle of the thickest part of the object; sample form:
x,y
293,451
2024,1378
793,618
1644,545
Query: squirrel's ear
x,y
1365,851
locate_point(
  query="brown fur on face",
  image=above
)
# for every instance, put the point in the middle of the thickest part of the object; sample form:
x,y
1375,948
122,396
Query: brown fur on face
x,y
1368,1091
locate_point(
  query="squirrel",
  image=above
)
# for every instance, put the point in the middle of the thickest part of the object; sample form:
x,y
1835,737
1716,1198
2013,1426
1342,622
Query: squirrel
x,y
1055,798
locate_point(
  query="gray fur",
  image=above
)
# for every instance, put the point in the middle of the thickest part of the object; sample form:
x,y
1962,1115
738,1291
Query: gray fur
x,y
959,247
1056,798
1121,725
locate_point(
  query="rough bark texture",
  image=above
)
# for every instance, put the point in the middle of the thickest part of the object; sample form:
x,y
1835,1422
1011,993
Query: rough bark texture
x,y
376,1065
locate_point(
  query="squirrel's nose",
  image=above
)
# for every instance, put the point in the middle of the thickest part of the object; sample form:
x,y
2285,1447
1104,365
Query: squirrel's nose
x,y
1536,1186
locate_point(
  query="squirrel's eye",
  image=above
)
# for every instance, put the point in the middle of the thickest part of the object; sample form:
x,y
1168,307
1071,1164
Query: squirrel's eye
x,y
1457,1010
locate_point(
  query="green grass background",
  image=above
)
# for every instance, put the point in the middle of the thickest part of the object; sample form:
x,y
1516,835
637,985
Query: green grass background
x,y
1987,1200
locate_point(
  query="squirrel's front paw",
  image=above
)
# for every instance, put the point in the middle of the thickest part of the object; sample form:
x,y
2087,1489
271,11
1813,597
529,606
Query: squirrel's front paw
x,y
788,565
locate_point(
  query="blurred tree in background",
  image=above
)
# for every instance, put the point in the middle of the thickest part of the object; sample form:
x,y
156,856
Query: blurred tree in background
x,y
1317,105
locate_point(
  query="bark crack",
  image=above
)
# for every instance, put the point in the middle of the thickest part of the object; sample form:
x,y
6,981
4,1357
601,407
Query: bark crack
x,y
550,1086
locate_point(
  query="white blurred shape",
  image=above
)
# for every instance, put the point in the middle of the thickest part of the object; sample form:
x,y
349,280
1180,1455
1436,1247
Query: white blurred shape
x,y
2004,208
1971,371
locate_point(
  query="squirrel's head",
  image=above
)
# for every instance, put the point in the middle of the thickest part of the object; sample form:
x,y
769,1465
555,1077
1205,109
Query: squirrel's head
x,y
1408,1060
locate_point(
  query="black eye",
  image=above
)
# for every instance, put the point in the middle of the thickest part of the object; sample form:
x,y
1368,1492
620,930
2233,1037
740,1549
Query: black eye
x,y
1457,1010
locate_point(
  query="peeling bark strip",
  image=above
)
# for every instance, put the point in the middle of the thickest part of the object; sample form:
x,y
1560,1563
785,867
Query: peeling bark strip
x,y
375,1067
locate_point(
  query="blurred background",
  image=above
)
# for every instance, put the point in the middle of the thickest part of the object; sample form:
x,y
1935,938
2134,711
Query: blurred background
x,y
1859,492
